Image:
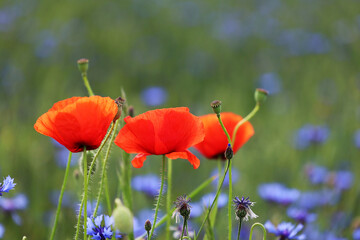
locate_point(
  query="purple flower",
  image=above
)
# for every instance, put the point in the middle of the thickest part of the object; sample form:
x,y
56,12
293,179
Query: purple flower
x,y
149,184
270,82
243,208
234,177
7,185
357,138
356,234
285,230
99,228
341,180
310,134
154,96
301,215
278,193
316,174
12,205
183,207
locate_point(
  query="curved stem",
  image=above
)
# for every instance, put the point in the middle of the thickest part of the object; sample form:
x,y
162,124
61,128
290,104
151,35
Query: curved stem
x,y
61,196
216,196
262,227
87,84
159,197
224,129
247,118
85,190
183,230
238,236
103,173
168,197
229,203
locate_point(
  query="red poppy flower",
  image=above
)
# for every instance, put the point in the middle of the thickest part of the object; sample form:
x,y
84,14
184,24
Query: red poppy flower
x,y
215,141
78,121
167,131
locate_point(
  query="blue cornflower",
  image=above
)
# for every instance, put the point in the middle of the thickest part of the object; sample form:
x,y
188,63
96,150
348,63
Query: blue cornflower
x,y
243,208
149,184
12,205
356,234
301,215
2,230
285,230
357,138
7,185
341,180
234,177
99,228
310,134
316,174
278,193
154,96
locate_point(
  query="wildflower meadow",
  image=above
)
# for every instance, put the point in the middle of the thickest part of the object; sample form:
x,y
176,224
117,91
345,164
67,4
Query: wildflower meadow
x,y
198,120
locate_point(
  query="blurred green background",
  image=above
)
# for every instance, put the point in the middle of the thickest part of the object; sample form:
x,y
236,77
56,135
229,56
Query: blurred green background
x,y
305,52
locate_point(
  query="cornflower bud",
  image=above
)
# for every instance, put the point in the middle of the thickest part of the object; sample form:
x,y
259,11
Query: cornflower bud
x,y
148,225
131,111
120,102
260,95
229,153
182,207
216,106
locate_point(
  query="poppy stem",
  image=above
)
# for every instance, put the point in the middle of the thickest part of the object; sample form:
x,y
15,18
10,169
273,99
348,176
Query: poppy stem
x,y
216,197
224,129
168,197
262,228
159,197
103,173
61,196
90,170
85,169
245,119
87,84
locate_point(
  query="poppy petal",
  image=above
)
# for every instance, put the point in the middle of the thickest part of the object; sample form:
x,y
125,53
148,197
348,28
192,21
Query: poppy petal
x,y
185,155
139,159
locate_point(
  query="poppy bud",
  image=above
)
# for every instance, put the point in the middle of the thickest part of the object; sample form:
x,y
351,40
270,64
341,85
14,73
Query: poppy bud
x,y
147,225
260,95
131,111
83,65
24,238
123,218
216,106
119,101
229,153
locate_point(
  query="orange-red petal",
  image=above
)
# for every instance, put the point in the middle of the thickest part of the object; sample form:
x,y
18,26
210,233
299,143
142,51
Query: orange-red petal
x,y
185,155
215,141
139,160
79,121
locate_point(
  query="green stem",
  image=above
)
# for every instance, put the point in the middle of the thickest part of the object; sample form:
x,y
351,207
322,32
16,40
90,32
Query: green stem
x,y
229,203
90,170
61,196
103,173
168,197
247,118
262,227
183,230
107,193
224,129
87,84
216,196
85,166
238,236
191,195
159,197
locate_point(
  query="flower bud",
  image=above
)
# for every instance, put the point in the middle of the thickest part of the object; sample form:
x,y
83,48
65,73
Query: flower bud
x,y
83,65
241,212
123,218
260,95
229,153
131,111
147,225
216,106
119,101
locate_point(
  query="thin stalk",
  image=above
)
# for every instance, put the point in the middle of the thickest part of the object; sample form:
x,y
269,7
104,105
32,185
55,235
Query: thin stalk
x,y
224,129
107,193
183,230
247,118
238,236
85,191
168,196
159,197
87,84
61,197
191,195
261,226
229,203
103,174
216,196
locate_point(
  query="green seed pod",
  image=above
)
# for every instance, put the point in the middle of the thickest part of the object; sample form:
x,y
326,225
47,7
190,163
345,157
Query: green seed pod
x,y
216,106
123,218
83,65
260,95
